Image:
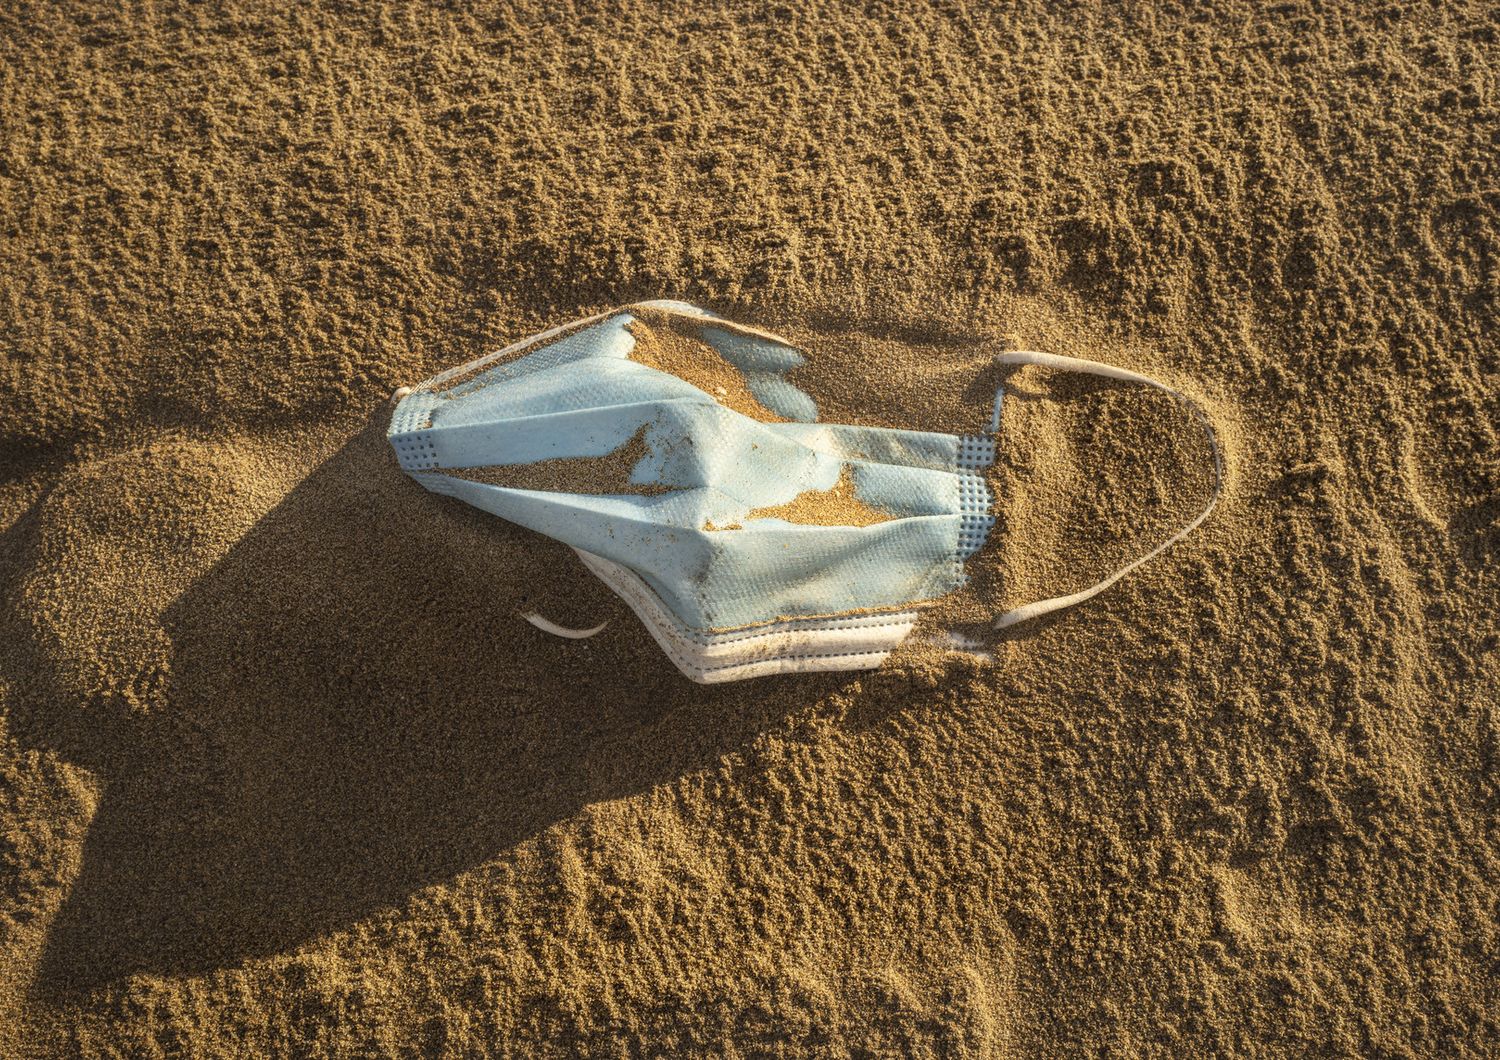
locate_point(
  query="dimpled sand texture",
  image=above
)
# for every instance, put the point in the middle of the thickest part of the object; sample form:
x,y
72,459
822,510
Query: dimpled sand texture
x,y
284,773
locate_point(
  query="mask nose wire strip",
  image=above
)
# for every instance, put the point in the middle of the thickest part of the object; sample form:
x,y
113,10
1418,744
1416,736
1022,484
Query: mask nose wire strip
x,y
1109,371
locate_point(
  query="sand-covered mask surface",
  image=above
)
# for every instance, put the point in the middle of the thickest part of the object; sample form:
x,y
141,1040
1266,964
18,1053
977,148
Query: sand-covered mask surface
x,y
282,772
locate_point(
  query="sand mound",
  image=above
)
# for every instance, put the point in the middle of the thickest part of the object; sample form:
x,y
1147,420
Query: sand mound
x,y
113,542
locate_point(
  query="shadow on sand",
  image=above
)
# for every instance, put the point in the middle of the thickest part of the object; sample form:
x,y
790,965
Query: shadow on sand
x,y
355,712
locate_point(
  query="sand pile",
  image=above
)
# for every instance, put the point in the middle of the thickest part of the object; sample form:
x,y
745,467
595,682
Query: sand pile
x,y
283,773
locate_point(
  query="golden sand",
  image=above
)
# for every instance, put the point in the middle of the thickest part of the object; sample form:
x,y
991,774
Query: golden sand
x,y
609,473
835,506
673,343
282,773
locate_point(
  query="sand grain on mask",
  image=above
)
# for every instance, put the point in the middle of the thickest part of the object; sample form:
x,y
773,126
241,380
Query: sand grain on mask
x,y
674,344
836,506
608,474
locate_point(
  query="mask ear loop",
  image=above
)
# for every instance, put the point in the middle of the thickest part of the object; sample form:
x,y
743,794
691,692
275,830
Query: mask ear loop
x,y
1078,364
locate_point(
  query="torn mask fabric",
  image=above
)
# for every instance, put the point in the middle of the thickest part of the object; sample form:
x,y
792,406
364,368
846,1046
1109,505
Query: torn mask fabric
x,y
669,449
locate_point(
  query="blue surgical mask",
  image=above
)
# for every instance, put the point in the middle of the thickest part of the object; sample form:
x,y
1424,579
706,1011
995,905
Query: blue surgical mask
x,y
668,447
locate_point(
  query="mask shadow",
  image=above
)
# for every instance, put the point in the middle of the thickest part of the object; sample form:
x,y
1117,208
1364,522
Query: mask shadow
x,y
356,711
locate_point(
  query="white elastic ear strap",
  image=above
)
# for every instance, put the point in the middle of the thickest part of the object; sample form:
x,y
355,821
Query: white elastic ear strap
x,y
1077,364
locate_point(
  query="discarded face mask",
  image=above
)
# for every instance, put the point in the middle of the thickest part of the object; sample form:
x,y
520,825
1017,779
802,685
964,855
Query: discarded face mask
x,y
668,448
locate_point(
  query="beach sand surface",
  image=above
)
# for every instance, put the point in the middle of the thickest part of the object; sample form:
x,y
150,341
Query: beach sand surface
x,y
282,770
